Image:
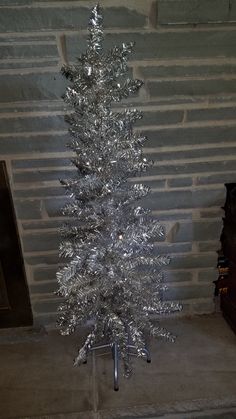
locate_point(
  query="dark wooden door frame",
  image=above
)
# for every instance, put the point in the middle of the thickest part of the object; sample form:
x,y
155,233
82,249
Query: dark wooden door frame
x,y
15,308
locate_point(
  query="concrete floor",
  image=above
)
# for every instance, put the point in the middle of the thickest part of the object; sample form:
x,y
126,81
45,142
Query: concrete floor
x,y
193,378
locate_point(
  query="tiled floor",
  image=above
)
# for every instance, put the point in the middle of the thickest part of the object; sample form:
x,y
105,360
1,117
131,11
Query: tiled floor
x,y
195,377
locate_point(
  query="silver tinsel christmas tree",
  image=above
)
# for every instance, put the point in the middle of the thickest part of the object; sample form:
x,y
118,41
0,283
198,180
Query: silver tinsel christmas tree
x,y
112,280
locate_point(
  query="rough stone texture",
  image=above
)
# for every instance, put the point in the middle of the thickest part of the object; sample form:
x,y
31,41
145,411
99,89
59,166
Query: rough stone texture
x,y
38,163
38,123
191,87
40,242
207,275
197,231
184,199
216,178
28,51
184,168
212,114
195,69
45,274
21,144
189,292
32,87
39,192
161,45
189,135
171,248
161,118
189,105
193,11
191,261
54,206
187,379
191,153
43,176
65,17
28,209
180,182
46,287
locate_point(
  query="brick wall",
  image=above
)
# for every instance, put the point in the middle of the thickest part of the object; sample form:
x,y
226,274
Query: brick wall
x,y
185,52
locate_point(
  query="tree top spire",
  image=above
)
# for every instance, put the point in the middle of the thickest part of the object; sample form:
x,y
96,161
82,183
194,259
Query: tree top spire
x,y
95,29
96,16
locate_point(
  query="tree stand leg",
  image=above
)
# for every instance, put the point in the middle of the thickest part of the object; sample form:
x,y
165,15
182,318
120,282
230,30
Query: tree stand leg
x,y
115,356
145,351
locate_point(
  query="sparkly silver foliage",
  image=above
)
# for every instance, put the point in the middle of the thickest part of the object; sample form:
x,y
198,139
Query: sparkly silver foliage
x,y
112,280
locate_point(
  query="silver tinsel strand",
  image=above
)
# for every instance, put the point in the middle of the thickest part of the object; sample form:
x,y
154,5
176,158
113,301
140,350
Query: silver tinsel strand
x,y
112,279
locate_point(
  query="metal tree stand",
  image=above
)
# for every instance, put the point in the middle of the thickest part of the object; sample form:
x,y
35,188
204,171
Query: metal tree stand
x,y
116,356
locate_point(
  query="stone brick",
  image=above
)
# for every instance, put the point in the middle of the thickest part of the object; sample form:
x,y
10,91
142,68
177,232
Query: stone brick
x,y
154,183
168,200
14,2
232,10
184,168
49,18
190,135
217,178
212,213
32,163
48,319
183,199
192,11
189,292
172,70
173,44
28,209
45,274
202,307
191,87
31,124
197,231
208,275
37,106
193,153
182,232
193,261
211,114
36,242
44,288
180,182
27,64
161,118
169,249
177,276
207,198
44,259
42,175
46,306
169,215
39,192
210,246
54,206
209,230
41,86
28,51
19,144
17,38
44,224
